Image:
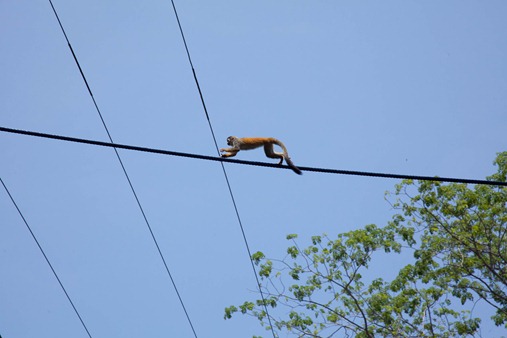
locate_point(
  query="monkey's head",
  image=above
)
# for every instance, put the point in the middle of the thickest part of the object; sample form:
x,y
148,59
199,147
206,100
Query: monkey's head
x,y
230,140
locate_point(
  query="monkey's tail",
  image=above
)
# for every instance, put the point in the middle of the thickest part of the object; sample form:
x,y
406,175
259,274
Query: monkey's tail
x,y
292,166
287,157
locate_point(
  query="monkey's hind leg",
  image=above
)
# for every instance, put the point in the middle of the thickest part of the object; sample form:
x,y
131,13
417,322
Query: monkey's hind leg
x,y
269,151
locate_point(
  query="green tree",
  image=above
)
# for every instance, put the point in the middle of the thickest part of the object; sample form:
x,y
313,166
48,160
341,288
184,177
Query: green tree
x,y
454,239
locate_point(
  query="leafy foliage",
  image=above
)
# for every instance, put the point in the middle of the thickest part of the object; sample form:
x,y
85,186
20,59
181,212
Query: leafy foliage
x,y
454,238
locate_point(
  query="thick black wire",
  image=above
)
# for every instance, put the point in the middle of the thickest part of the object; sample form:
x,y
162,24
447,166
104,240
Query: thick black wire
x,y
46,258
260,164
254,163
124,171
223,169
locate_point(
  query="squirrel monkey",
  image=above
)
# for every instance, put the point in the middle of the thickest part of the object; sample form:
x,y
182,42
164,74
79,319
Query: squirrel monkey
x,y
247,143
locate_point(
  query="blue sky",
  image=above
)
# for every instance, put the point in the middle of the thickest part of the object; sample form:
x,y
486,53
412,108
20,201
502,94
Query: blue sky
x,y
414,87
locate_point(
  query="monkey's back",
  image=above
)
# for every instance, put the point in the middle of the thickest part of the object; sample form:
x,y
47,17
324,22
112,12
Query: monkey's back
x,y
256,142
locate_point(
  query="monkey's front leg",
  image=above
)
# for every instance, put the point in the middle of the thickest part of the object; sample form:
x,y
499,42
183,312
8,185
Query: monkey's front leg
x,y
229,152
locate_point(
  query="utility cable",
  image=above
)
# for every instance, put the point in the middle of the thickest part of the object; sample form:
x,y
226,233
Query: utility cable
x,y
124,171
254,163
46,258
224,171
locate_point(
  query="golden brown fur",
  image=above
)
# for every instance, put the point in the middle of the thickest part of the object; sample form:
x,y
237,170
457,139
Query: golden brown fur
x,y
248,143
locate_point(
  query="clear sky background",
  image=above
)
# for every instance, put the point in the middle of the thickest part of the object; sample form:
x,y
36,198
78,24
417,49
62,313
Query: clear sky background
x,y
412,87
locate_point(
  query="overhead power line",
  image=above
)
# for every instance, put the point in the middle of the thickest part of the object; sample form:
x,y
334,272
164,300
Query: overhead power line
x,y
223,169
46,258
124,171
254,163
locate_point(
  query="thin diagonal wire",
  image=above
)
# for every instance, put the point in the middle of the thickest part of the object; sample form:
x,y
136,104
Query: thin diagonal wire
x,y
124,171
254,163
46,258
223,168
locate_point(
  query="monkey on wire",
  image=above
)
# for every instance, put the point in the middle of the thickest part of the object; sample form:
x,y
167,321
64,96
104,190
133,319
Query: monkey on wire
x,y
247,143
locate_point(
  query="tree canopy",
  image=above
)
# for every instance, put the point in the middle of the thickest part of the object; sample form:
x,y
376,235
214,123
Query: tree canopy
x,y
452,240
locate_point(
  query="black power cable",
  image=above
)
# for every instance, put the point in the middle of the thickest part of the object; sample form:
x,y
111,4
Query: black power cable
x,y
125,171
46,258
260,164
223,169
